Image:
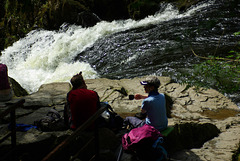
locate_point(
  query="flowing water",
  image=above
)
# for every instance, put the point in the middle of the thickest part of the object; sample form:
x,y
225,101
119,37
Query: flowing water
x,y
159,44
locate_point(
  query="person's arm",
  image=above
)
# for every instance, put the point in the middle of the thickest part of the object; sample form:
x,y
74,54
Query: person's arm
x,y
144,107
139,96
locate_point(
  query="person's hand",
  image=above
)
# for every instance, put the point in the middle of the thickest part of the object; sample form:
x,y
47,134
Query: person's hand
x,y
139,96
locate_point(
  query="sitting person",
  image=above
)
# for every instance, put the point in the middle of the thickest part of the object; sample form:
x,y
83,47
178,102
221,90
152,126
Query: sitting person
x,y
83,103
5,89
153,105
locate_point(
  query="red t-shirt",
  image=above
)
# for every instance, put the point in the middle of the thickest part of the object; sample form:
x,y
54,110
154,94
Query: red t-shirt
x,y
83,104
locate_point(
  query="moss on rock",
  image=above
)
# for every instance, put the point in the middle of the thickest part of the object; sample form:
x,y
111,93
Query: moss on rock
x,y
17,89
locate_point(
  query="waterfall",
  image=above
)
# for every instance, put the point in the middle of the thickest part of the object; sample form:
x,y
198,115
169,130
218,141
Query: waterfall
x,y
48,56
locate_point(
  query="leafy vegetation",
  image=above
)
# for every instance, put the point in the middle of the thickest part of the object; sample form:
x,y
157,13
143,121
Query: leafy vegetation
x,y
221,73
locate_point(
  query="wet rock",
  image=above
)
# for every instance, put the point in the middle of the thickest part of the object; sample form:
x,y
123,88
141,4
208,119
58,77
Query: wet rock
x,y
87,19
48,95
17,89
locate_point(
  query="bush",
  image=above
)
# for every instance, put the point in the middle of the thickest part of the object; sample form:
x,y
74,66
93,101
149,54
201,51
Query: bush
x,y
221,73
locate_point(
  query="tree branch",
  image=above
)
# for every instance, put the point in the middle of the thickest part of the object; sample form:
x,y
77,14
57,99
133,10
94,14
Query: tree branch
x,y
215,58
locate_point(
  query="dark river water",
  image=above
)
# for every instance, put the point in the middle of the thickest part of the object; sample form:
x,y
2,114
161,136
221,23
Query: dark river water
x,y
165,48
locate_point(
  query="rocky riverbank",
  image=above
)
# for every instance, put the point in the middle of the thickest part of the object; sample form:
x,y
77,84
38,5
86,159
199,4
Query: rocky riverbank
x,y
206,123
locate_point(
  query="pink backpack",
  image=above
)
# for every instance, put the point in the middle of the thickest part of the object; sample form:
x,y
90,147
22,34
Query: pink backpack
x,y
140,137
4,84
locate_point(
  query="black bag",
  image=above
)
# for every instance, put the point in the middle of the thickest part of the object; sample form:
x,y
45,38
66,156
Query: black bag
x,y
110,119
51,122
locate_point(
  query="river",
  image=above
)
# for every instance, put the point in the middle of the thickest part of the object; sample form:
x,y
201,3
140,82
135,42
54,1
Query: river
x,y
159,44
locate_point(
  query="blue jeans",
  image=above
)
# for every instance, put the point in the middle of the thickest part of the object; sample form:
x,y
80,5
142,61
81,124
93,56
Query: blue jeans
x,y
134,122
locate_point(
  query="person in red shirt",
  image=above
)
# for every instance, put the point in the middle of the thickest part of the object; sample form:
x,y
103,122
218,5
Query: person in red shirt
x,y
83,102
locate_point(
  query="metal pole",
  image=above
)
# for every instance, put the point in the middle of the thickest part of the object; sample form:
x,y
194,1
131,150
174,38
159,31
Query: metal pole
x,y
96,141
120,153
13,134
13,128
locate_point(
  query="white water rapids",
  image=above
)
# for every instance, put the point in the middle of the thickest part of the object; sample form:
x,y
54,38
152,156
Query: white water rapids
x,y
48,56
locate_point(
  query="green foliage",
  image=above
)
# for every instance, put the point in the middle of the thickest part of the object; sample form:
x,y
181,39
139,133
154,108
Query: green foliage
x,y
221,73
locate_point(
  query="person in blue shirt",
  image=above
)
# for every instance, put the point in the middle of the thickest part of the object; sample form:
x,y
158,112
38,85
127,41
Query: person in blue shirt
x,y
153,106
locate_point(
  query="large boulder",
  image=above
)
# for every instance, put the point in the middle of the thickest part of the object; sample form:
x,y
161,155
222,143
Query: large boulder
x,y
48,95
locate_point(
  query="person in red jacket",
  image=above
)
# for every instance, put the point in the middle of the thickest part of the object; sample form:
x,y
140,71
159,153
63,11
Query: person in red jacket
x,y
5,89
83,102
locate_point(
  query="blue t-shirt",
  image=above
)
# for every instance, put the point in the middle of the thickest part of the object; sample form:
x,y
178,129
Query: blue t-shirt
x,y
155,105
